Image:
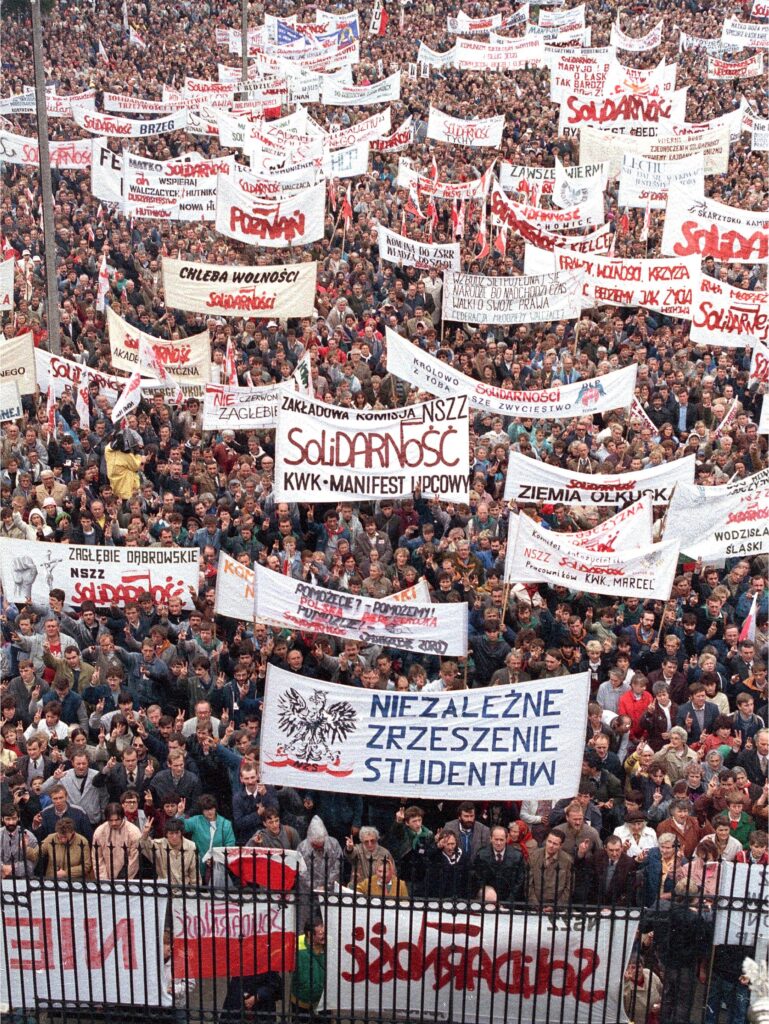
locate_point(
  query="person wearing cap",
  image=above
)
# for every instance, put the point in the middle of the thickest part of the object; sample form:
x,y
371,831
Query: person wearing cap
x,y
636,836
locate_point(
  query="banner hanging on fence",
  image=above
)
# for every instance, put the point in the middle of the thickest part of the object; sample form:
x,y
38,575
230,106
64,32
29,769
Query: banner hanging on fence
x,y
104,575
328,453
410,252
456,132
534,298
560,401
726,316
188,359
94,943
221,290
492,967
513,743
17,361
694,225
408,625
743,926
645,183
719,522
529,481
228,407
547,556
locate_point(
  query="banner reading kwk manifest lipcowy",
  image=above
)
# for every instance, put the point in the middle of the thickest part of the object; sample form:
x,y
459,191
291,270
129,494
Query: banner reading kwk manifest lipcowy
x,y
529,481
663,285
221,290
522,743
694,224
407,625
577,111
533,298
186,360
745,35
296,221
97,123
598,144
74,155
645,183
107,575
647,42
17,361
726,316
228,407
7,268
410,252
327,453
560,401
647,571
457,132
474,965
721,522
759,365
96,943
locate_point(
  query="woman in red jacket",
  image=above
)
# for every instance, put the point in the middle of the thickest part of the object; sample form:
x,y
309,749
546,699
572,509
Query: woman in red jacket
x,y
634,703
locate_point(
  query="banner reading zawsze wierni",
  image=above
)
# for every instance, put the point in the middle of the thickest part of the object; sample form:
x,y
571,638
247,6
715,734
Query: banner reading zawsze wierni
x,y
729,521
105,575
533,298
221,290
329,453
529,481
405,624
472,966
547,556
513,743
560,401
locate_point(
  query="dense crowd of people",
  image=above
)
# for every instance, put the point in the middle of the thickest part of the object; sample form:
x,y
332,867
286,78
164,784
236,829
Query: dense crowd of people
x,y
130,735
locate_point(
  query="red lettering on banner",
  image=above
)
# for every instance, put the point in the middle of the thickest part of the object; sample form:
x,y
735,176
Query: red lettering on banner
x,y
40,944
736,320
629,108
762,369
128,589
729,245
100,944
749,515
245,300
266,223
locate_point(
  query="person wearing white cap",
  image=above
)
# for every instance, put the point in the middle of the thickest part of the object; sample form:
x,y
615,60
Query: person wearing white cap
x,y
50,487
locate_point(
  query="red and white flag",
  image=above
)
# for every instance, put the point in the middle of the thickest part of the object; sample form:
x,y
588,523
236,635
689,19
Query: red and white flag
x,y
230,367
103,53
102,289
432,217
748,631
50,411
482,238
149,361
379,19
135,39
347,209
129,397
265,867
82,407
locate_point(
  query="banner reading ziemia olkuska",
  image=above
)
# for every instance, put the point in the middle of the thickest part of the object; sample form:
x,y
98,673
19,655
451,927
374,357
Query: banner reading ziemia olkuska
x,y
514,742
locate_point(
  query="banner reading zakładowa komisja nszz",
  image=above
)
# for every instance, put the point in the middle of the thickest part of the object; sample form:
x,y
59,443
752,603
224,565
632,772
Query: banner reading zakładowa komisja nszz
x,y
221,290
329,453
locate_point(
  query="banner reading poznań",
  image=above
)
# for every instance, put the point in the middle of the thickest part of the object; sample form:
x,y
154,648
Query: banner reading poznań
x,y
329,453
406,624
530,481
474,966
560,401
279,291
513,743
108,575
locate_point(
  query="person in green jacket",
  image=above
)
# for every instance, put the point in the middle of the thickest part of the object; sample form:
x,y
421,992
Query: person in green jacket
x,y
740,823
208,829
309,978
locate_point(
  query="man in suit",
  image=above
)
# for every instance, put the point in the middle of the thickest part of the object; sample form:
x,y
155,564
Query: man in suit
x,y
470,834
176,779
755,761
117,777
606,876
499,867
698,714
62,808
550,873
671,675
34,763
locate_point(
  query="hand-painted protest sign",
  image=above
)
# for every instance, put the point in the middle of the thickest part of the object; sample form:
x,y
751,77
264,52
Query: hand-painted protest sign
x,y
597,144
97,123
410,252
529,481
759,365
228,407
741,35
720,70
7,268
721,522
584,215
726,316
17,361
457,132
410,178
186,360
610,110
297,221
408,625
499,54
329,453
221,290
534,298
337,94
522,742
10,400
645,183
646,42
707,228
104,575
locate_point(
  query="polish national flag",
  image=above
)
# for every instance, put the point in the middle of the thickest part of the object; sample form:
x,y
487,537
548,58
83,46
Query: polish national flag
x,y
748,631
265,867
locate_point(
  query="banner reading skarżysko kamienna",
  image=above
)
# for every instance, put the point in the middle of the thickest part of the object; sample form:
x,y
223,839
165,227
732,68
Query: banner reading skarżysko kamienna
x,y
522,742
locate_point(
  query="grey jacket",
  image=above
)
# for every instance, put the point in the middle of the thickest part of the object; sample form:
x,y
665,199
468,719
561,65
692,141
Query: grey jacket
x,y
19,849
92,800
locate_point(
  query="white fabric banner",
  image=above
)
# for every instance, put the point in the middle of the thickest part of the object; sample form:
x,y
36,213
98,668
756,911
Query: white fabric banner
x,y
125,103
713,47
10,400
7,269
741,35
220,290
596,144
329,453
97,123
499,54
106,172
298,221
646,42
276,187
646,182
229,407
579,74
647,571
533,298
726,316
508,212
409,626
529,481
106,575
748,882
719,522
622,81
662,285
559,401
65,374
760,9
94,942
346,163
409,252
577,978
557,19
67,156
577,111
522,743
400,139
759,365
580,185
337,94
759,135
409,177
472,26
17,361
186,360
434,59
457,132
377,126
708,228
719,70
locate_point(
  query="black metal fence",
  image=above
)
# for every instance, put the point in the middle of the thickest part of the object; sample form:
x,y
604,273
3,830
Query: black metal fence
x,y
254,935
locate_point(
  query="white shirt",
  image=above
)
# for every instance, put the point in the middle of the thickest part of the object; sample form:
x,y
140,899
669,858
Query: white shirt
x,y
646,841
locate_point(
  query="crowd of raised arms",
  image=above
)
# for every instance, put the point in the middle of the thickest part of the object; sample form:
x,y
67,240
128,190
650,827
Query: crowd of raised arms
x,y
130,729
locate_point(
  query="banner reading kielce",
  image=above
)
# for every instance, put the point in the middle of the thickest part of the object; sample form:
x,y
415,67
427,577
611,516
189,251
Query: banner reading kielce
x,y
511,742
221,290
560,401
329,453
30,570
530,481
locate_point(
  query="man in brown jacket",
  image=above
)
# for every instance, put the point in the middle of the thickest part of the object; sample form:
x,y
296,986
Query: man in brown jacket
x,y
550,873
66,854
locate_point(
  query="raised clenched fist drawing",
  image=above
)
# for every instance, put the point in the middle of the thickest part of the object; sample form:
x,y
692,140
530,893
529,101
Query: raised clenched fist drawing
x,y
24,576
